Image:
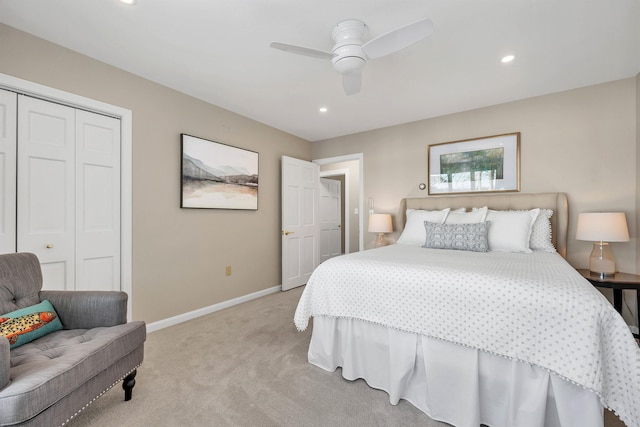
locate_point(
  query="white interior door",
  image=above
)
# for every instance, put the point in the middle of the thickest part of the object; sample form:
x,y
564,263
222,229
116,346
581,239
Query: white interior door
x,y
300,201
97,202
45,199
330,218
8,111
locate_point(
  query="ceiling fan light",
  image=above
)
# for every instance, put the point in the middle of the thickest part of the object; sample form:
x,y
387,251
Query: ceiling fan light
x,y
349,65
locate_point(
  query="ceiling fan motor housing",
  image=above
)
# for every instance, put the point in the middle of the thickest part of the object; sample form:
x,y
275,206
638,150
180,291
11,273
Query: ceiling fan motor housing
x,y
349,58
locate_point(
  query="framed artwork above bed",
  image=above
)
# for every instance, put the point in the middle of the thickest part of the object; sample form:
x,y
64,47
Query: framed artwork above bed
x,y
479,165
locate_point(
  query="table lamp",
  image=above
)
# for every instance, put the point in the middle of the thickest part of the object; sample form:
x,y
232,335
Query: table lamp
x,y
380,223
601,228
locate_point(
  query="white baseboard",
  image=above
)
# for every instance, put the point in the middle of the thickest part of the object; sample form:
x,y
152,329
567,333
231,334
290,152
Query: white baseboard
x,y
171,321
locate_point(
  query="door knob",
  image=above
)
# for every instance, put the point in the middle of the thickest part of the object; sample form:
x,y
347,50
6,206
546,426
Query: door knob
x,y
287,232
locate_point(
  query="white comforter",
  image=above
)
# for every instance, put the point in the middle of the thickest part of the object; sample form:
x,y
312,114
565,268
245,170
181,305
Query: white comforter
x,y
533,308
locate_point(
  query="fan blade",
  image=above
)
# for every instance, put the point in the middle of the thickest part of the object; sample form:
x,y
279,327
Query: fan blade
x,y
302,50
351,83
398,39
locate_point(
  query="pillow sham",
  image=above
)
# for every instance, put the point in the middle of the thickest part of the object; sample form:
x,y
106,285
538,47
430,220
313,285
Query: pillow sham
x,y
475,216
413,233
510,231
540,239
541,232
464,237
29,323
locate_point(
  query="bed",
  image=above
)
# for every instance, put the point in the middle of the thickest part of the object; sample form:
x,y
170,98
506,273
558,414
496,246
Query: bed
x,y
506,337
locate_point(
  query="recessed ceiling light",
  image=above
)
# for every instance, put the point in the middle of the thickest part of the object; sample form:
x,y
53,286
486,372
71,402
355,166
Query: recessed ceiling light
x,y
507,58
323,109
129,2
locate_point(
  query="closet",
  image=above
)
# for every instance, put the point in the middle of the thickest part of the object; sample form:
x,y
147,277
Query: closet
x,y
60,191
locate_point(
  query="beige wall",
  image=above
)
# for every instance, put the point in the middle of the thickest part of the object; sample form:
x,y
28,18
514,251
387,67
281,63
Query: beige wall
x,y
582,142
179,255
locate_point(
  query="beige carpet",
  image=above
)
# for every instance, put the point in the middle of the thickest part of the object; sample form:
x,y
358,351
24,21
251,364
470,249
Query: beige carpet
x,y
245,366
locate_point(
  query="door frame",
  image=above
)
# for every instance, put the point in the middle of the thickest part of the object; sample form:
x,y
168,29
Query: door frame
x,y
346,158
46,93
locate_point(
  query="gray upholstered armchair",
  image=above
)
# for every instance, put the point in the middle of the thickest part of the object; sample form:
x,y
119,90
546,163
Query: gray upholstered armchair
x,y
49,380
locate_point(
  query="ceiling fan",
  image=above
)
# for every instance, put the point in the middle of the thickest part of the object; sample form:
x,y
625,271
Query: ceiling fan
x,y
350,53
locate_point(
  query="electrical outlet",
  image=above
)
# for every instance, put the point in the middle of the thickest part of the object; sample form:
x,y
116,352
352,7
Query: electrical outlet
x,y
227,271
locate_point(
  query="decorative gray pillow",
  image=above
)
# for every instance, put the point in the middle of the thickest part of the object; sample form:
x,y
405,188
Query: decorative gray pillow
x,y
464,237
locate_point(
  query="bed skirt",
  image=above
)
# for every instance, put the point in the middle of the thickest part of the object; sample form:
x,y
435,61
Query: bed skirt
x,y
458,385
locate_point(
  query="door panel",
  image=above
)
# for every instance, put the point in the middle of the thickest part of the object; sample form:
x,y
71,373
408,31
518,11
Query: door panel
x,y
97,202
330,215
45,198
8,111
56,274
98,274
300,245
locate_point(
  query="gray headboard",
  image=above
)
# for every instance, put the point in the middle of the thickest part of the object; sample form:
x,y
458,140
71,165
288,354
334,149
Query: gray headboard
x,y
504,201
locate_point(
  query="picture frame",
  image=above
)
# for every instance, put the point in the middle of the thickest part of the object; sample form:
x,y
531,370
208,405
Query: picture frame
x,y
479,165
217,176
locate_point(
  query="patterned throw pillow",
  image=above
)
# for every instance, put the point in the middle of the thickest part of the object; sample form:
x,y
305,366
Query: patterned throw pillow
x,y
464,237
27,324
541,232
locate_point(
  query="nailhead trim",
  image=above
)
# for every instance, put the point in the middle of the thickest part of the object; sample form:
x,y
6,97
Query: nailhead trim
x,y
101,393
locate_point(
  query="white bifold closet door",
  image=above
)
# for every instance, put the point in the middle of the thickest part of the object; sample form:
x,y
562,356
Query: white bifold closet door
x,y
68,194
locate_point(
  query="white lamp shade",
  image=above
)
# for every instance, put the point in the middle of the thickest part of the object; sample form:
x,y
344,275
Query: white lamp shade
x,y
380,223
602,227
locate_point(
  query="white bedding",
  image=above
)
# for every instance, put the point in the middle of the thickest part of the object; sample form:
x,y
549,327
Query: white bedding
x,y
533,308
459,385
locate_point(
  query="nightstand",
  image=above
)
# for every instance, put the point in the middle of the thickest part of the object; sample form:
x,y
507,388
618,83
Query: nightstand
x,y
618,282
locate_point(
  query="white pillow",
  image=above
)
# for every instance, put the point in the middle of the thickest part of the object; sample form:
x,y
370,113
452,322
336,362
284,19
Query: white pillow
x,y
414,232
541,232
510,231
474,217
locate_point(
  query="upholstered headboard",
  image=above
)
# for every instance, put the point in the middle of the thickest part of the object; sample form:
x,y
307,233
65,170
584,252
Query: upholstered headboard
x,y
504,201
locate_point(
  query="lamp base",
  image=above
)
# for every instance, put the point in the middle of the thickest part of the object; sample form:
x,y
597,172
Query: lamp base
x,y
601,261
380,241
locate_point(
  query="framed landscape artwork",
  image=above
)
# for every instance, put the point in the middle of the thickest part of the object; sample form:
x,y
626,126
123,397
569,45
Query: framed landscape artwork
x,y
477,165
217,176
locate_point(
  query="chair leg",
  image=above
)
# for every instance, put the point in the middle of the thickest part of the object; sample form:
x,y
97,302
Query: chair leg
x,y
127,385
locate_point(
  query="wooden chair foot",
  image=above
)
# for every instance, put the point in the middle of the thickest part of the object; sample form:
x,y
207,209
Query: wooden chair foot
x,y
127,385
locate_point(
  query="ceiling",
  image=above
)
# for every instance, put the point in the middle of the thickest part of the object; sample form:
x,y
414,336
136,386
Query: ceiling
x,y
218,51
